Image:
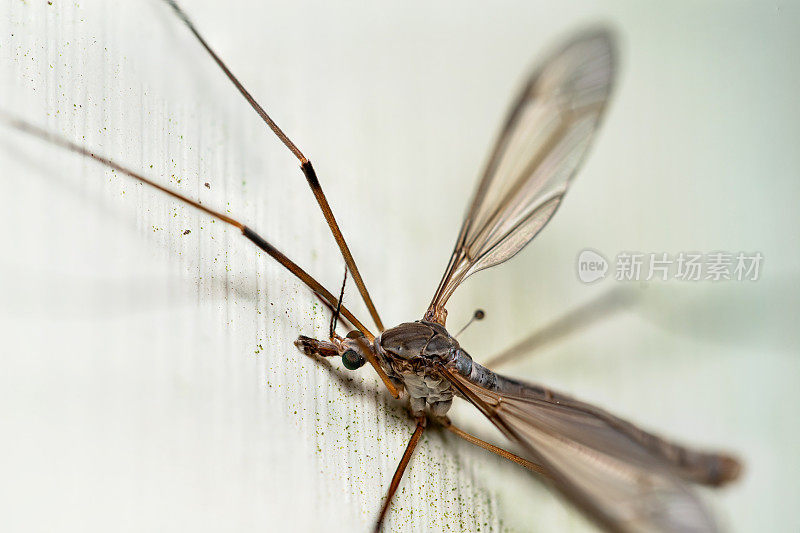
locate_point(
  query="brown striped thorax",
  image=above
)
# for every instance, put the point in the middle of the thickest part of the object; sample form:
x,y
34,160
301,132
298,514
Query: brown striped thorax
x,y
410,354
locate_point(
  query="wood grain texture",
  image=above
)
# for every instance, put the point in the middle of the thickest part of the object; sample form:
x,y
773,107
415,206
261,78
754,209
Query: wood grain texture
x,y
148,376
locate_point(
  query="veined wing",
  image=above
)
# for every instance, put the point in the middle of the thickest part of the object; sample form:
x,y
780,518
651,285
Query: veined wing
x,y
616,481
540,148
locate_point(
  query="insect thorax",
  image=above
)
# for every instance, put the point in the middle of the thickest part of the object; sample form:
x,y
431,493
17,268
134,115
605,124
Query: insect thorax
x,y
410,354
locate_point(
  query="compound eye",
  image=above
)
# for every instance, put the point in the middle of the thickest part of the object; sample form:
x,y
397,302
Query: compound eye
x,y
352,360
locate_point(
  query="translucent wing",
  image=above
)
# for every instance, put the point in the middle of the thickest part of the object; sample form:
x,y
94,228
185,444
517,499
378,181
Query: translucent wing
x,y
617,481
541,146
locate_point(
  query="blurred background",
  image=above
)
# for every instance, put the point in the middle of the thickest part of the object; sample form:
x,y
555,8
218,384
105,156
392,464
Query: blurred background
x,y
147,375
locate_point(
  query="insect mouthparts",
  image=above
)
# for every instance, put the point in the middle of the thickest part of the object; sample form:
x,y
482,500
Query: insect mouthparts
x,y
305,344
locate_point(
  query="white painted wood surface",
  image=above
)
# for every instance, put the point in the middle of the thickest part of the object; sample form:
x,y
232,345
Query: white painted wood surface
x,y
147,377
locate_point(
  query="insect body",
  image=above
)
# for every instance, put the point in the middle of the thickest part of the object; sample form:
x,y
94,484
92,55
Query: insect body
x,y
623,478
410,353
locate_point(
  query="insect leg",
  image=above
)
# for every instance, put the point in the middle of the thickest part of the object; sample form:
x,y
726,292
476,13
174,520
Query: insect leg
x,y
305,164
401,468
602,307
251,235
533,467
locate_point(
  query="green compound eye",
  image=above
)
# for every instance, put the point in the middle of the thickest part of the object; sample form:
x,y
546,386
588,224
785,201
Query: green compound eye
x,y
352,360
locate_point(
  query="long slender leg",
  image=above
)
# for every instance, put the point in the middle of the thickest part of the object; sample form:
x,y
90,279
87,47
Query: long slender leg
x,y
505,454
305,165
603,306
398,474
254,237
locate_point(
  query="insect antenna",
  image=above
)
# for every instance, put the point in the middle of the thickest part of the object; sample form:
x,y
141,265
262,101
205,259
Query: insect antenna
x,y
305,164
335,316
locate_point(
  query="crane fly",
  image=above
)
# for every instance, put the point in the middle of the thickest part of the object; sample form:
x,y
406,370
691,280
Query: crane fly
x,y
619,476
